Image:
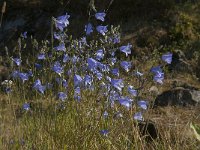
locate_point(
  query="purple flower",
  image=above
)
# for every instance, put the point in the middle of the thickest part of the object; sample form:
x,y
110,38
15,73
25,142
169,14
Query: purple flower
x,y
117,83
132,91
100,16
126,65
116,39
159,77
8,90
125,101
41,56
142,104
88,28
77,80
23,76
30,73
62,96
114,96
126,49
138,116
92,64
61,47
24,35
15,74
77,98
17,61
38,86
57,68
105,114
99,75
113,61
102,29
167,58
88,80
66,58
103,67
58,36
115,71
26,106
62,22
104,132
156,69
99,54
38,66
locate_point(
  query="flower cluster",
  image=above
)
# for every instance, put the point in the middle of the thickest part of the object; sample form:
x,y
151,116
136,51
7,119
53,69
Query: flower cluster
x,y
89,64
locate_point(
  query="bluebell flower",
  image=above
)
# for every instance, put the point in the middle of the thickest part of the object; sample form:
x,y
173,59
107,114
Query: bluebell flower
x,y
77,98
99,75
126,49
57,68
77,80
77,90
41,56
103,67
38,66
115,71
132,91
116,39
117,83
38,86
66,58
61,47
15,74
26,106
62,22
24,35
159,77
75,59
105,114
62,96
104,132
88,28
88,80
23,76
8,90
17,61
100,16
142,104
156,69
58,36
167,58
92,64
138,116
113,61
30,73
125,101
64,83
99,54
126,65
102,29
114,96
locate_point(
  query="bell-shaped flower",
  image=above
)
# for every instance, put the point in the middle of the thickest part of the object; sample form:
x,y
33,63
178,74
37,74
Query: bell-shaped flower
x,y
99,75
159,77
41,56
115,71
38,66
57,68
138,116
117,83
167,58
88,80
102,29
100,16
142,104
126,49
38,86
61,47
132,91
23,76
113,61
104,132
62,96
62,22
99,54
125,101
156,69
77,80
17,61
126,65
66,58
26,106
92,64
88,28
15,74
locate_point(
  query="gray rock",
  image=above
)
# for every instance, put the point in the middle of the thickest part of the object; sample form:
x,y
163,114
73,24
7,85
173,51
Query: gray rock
x,y
178,96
